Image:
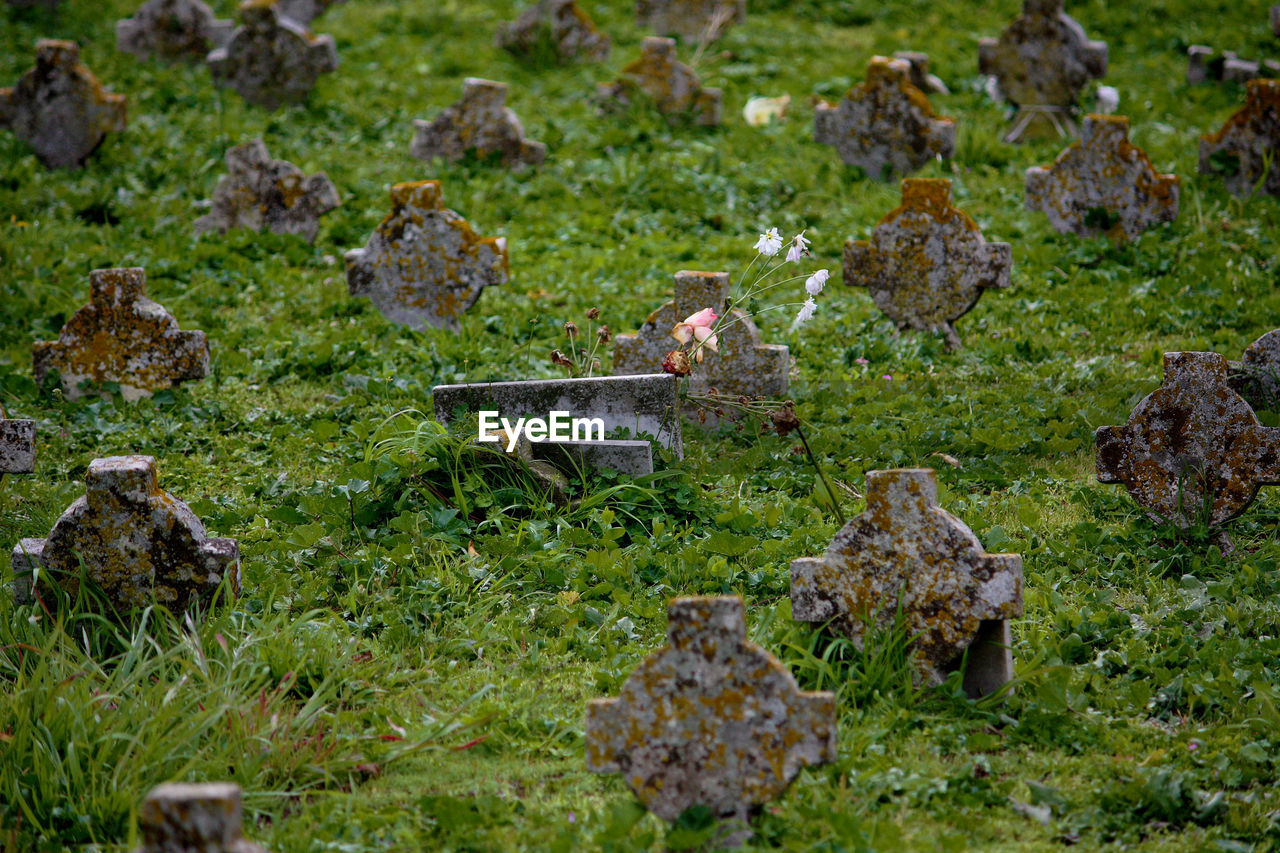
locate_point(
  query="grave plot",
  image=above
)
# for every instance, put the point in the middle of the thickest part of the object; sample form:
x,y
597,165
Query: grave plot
x,y
481,123
272,60
262,194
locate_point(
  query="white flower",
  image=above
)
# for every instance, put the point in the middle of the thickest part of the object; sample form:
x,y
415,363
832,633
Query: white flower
x,y
1108,99
816,282
769,243
799,247
806,311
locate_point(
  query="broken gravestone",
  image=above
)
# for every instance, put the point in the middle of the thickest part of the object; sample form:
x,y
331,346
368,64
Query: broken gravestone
x,y
885,126
1041,62
17,446
672,85
122,336
304,11
203,818
272,60
1193,452
59,108
425,265
906,554
260,194
691,20
710,720
743,366
645,405
556,25
927,263
172,30
481,123
1204,63
134,540
1256,377
1103,185
1245,150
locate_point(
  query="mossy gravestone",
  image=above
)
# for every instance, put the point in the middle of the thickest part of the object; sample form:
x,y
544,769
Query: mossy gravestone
x,y
1244,153
558,25
172,30
673,86
262,194
1257,375
481,124
272,60
17,446
203,818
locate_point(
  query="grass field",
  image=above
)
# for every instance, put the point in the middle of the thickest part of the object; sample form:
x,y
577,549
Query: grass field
x,y
421,627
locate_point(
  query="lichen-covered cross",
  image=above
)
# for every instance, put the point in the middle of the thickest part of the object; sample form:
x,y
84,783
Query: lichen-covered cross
x,y
262,194
481,122
272,60
172,30
200,818
1247,148
573,35
673,86
1256,377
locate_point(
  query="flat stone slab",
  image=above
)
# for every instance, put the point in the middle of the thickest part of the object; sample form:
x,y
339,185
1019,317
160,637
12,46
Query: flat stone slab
x,y
1256,377
691,20
203,818
305,11
173,30
135,541
1205,64
59,108
480,123
560,25
673,86
270,59
905,553
1248,145
927,262
262,194
886,126
1193,451
710,719
122,336
1043,58
425,265
17,446
1103,185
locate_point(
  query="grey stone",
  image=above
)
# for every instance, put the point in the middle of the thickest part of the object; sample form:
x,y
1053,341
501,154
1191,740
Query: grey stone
x,y
559,24
17,446
204,818
305,11
673,86
691,20
920,76
1248,145
1204,63
172,30
262,194
481,123
1256,377
272,60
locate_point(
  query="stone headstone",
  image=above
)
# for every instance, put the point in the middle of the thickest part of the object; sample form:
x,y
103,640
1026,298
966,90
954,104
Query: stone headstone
x,y
1103,185
710,719
425,265
672,85
305,11
920,76
482,123
272,60
1248,145
17,446
1193,451
691,20
172,30
1204,63
907,553
59,108
927,263
262,194
1256,377
560,25
122,336
885,126
204,818
133,539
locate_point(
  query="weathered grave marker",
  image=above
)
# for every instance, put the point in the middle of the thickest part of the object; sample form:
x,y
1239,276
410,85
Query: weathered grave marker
x,y
907,553
927,263
920,76
1204,63
710,719
560,25
425,265
203,818
59,108
305,11
17,446
1103,185
272,60
172,30
1248,146
691,20
481,122
133,539
1256,377
260,194
673,86
886,125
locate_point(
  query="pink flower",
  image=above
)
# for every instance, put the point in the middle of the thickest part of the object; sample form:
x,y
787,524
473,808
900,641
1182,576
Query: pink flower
x,y
861,360
887,376
697,327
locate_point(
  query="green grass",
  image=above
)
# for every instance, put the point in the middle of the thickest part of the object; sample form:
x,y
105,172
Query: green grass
x,y
422,626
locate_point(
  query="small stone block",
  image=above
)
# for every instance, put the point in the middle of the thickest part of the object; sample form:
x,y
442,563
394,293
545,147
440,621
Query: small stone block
x,y
927,262
134,540
305,11
907,553
1103,185
481,123
1193,451
886,126
1248,145
710,719
672,85
172,30
425,265
920,76
59,108
1043,58
17,446
560,24
691,20
262,194
205,818
272,60
1257,375
1204,63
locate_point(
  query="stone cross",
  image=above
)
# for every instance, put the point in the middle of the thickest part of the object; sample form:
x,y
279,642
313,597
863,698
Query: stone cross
x,y
710,719
17,446
305,11
480,122
172,30
885,126
122,336
1041,62
272,60
205,818
1256,377
920,76
1193,451
1103,185
262,194
927,263
691,20
907,553
133,539
1204,63
673,86
59,108
425,265
1248,145
560,24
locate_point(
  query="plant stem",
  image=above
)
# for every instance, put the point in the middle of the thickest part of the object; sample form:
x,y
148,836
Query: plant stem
x,y
835,502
